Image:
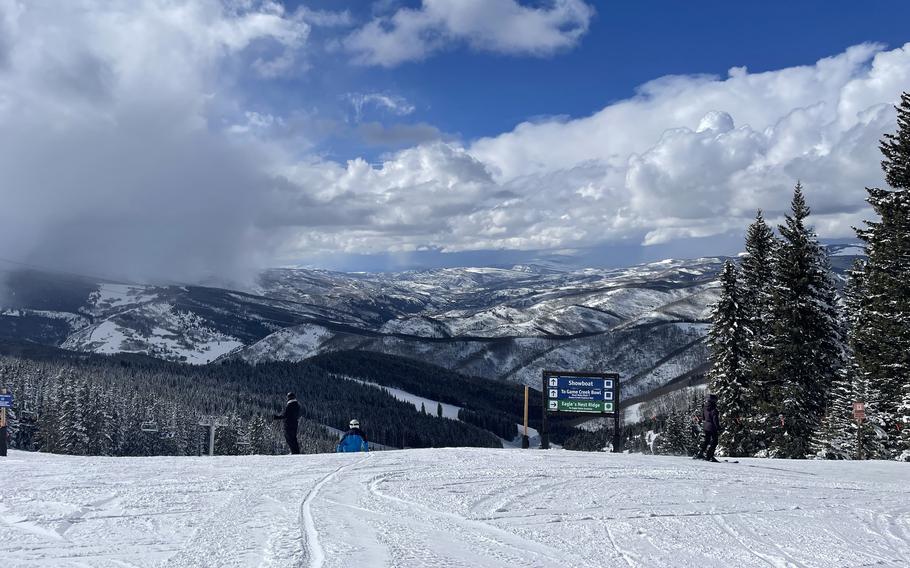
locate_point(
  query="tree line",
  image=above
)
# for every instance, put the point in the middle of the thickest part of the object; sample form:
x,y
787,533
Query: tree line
x,y
790,354
129,405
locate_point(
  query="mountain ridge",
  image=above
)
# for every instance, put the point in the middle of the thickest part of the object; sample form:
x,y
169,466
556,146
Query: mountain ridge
x,y
647,322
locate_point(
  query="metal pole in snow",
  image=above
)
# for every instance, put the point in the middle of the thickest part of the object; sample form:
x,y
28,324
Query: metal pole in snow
x,y
212,438
617,435
3,427
525,441
544,432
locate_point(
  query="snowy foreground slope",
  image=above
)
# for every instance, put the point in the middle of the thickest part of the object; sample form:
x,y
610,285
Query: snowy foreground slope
x,y
453,507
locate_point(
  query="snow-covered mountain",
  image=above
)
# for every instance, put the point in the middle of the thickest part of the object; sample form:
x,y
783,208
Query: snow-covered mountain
x,y
647,322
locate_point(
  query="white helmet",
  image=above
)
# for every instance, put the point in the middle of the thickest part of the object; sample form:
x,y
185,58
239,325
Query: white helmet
x,y
354,424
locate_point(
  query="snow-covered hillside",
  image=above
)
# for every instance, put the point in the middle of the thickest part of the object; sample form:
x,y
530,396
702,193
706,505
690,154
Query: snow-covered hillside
x,y
451,507
645,322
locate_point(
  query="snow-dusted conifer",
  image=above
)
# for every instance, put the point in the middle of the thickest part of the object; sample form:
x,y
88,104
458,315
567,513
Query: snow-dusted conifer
x,y
806,343
883,351
260,436
755,292
728,352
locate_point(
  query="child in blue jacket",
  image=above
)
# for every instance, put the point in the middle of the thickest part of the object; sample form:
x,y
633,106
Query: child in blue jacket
x,y
354,439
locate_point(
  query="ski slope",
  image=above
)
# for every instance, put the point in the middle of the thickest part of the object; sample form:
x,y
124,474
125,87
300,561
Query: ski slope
x,y
451,507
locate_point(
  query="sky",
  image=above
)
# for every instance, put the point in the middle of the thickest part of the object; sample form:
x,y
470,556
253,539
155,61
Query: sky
x,y
186,139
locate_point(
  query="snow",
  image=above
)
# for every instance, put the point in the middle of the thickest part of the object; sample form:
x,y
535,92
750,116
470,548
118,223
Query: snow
x,y
174,335
451,507
632,414
289,344
851,250
108,337
110,296
448,410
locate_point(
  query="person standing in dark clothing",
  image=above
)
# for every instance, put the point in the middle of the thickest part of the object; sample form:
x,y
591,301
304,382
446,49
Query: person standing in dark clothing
x,y
711,427
290,416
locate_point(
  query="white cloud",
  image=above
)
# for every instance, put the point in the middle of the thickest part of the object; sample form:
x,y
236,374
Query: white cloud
x,y
114,154
128,148
393,104
688,156
500,26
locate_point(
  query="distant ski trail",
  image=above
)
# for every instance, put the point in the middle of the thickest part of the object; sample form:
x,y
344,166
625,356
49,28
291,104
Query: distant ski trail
x,y
312,549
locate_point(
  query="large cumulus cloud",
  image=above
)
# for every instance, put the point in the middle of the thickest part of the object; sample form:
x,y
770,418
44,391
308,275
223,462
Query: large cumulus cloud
x,y
687,156
129,149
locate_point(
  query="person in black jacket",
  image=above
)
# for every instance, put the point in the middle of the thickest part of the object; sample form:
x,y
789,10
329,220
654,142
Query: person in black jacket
x,y
711,427
290,416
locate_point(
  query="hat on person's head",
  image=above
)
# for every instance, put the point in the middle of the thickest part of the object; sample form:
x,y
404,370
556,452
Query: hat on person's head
x,y
291,396
354,423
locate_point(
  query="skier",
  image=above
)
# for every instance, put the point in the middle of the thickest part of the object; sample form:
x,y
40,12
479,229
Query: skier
x,y
290,416
354,440
711,427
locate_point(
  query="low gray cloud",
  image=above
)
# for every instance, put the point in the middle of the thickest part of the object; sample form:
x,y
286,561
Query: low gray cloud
x,y
112,154
378,134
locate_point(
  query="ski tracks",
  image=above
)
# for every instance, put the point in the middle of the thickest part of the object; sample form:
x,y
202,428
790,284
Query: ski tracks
x,y
492,534
314,555
751,548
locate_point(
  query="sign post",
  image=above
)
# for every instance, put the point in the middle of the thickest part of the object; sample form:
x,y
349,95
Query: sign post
x,y
525,441
6,401
859,414
575,393
210,425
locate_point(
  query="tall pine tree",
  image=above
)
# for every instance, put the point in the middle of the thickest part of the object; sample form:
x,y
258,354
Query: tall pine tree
x,y
883,349
837,438
728,352
756,283
805,341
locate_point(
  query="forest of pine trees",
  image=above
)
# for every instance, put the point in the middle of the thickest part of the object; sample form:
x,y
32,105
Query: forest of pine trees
x,y
128,406
789,355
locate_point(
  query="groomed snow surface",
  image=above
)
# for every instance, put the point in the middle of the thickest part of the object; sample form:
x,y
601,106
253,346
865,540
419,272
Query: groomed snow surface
x,y
453,507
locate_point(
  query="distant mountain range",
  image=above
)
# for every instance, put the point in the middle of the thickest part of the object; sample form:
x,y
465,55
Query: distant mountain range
x,y
647,322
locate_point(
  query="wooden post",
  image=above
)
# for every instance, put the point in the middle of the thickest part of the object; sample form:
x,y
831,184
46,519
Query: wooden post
x,y
859,414
617,435
2,428
525,441
544,432
212,439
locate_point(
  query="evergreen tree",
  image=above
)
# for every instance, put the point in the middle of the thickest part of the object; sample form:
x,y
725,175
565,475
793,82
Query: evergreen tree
x,y
836,438
805,341
73,433
260,436
883,348
756,281
439,410
728,352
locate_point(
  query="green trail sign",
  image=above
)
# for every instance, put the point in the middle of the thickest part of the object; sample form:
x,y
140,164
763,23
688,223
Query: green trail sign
x,y
568,393
596,406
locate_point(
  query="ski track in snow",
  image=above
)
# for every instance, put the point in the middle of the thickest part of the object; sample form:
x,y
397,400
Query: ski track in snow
x,y
313,549
470,508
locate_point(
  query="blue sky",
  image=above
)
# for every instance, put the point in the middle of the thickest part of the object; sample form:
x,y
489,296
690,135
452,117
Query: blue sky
x,y
189,138
469,94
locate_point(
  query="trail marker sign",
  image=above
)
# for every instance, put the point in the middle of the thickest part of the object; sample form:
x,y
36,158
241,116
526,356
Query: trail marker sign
x,y
859,411
579,393
6,401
